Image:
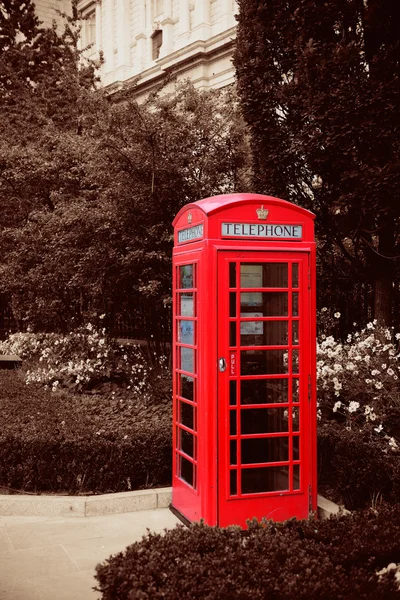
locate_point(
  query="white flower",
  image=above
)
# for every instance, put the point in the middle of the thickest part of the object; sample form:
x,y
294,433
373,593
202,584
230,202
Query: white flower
x,y
353,406
390,371
392,443
337,405
378,385
319,414
337,315
379,428
375,372
102,316
324,309
397,336
373,416
370,326
384,366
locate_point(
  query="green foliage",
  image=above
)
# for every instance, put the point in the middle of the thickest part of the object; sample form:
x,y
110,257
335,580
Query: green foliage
x,y
98,240
86,359
58,442
359,413
334,559
355,468
319,86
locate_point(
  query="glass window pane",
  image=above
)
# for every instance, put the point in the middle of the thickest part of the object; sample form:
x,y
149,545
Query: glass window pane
x,y
232,393
264,479
186,305
232,304
232,424
233,452
186,276
295,361
263,391
232,333
272,275
263,420
186,470
296,477
263,333
187,359
186,332
187,443
296,418
263,362
295,275
296,447
187,415
295,332
295,390
295,305
233,483
232,275
267,304
187,387
263,450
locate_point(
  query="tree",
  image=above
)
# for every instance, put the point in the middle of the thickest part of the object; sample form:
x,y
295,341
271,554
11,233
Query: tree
x,y
320,90
106,245
45,86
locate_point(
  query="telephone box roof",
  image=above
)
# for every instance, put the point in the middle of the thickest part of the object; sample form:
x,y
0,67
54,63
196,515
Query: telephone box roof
x,y
217,203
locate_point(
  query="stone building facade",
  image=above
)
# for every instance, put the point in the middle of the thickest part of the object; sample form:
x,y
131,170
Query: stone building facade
x,y
148,39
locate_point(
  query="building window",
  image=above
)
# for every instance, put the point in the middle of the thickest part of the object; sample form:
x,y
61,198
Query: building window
x,y
156,43
158,7
89,29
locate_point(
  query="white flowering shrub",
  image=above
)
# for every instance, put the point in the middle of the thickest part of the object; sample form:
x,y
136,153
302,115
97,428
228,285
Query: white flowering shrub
x,y
82,359
358,380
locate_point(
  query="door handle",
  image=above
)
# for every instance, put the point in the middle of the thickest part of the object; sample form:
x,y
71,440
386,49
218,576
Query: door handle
x,y
222,365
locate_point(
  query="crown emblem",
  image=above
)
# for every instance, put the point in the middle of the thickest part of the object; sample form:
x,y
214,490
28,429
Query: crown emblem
x,y
189,218
262,213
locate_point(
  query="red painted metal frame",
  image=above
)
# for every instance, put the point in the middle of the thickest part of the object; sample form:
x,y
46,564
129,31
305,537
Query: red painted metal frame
x,y
279,505
207,500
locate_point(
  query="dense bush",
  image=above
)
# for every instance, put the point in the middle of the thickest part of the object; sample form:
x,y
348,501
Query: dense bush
x,y
359,413
353,468
88,358
339,558
55,441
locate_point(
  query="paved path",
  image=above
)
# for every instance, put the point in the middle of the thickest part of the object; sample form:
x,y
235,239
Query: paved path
x,y
45,558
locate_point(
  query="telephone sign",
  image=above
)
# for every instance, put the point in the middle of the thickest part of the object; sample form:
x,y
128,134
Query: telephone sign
x,y
244,364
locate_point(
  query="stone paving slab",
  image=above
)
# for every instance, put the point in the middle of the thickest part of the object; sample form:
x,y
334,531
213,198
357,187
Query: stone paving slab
x,y
50,533
55,558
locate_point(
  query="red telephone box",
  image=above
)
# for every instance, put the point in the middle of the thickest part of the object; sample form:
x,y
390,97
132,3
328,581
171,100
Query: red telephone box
x,y
244,344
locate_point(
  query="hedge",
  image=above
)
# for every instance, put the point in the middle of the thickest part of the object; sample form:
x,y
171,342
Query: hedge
x,y
58,442
334,559
355,468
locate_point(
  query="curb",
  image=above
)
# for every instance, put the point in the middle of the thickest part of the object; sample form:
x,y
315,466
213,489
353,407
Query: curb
x,y
84,506
326,508
108,504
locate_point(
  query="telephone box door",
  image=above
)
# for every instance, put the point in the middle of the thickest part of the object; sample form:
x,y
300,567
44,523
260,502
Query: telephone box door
x,y
264,375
